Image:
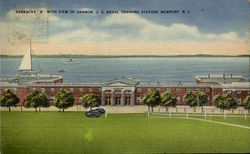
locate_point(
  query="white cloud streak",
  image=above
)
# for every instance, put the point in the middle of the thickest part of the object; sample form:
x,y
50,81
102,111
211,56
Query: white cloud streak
x,y
113,27
120,28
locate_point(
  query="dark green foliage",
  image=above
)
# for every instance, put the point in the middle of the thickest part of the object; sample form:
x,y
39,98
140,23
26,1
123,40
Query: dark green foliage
x,y
168,99
91,100
64,99
190,99
224,101
36,99
201,99
147,100
152,99
246,102
9,99
219,100
230,102
196,99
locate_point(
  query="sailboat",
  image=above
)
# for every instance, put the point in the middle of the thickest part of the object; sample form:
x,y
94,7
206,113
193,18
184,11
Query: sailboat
x,y
71,61
26,74
26,64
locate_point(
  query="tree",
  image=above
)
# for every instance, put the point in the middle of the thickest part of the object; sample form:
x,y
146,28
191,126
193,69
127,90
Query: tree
x,y
152,99
9,99
230,102
45,102
224,101
36,99
146,100
201,99
246,103
190,99
168,99
64,99
219,100
91,100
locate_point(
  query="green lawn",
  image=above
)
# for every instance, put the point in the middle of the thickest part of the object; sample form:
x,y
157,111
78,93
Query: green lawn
x,y
72,132
234,119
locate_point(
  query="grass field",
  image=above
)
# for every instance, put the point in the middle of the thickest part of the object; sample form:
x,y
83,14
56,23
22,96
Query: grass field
x,y
72,132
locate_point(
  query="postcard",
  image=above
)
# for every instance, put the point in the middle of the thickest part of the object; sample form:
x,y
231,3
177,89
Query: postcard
x,y
144,76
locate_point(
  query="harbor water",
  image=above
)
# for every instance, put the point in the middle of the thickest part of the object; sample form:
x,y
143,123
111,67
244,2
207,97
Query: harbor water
x,y
146,69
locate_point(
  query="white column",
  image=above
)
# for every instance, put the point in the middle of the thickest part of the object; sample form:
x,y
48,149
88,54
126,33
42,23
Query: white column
x,y
132,97
103,97
113,97
123,97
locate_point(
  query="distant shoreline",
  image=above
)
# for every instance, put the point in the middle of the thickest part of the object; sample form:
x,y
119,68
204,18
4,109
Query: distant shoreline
x,y
120,56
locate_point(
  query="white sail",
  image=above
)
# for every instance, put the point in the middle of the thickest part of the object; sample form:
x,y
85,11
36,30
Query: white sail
x,y
26,64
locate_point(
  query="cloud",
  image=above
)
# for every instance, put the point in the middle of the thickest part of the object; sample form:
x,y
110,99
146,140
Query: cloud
x,y
43,27
79,35
87,9
24,27
154,32
229,36
114,34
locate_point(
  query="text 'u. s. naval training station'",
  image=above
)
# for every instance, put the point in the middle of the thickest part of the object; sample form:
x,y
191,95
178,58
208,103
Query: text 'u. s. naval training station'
x,y
102,11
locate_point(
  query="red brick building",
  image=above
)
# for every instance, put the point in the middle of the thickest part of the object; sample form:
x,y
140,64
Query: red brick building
x,y
127,91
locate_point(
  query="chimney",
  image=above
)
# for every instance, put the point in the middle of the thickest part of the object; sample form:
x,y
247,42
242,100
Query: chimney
x,y
208,75
231,75
224,76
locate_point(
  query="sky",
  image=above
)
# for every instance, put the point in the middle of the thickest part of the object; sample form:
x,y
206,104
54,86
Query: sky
x,y
206,27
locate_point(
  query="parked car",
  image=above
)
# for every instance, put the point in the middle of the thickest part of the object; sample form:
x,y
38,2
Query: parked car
x,y
92,114
101,110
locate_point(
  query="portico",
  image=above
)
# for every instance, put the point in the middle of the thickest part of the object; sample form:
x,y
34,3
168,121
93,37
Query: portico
x,y
119,92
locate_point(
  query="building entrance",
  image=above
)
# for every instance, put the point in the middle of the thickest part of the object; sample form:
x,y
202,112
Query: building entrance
x,y
127,101
117,101
107,101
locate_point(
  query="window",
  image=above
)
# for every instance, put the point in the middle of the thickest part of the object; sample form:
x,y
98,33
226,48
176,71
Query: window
x,y
80,99
99,89
197,90
206,90
138,99
168,90
138,89
177,89
229,91
15,91
178,98
238,92
187,90
128,92
81,89
51,98
52,89
118,91
149,90
43,90
90,90
158,89
239,101
107,91
33,89
71,89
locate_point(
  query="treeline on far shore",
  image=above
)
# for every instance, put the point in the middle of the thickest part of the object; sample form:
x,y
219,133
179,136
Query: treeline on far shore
x,y
118,56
